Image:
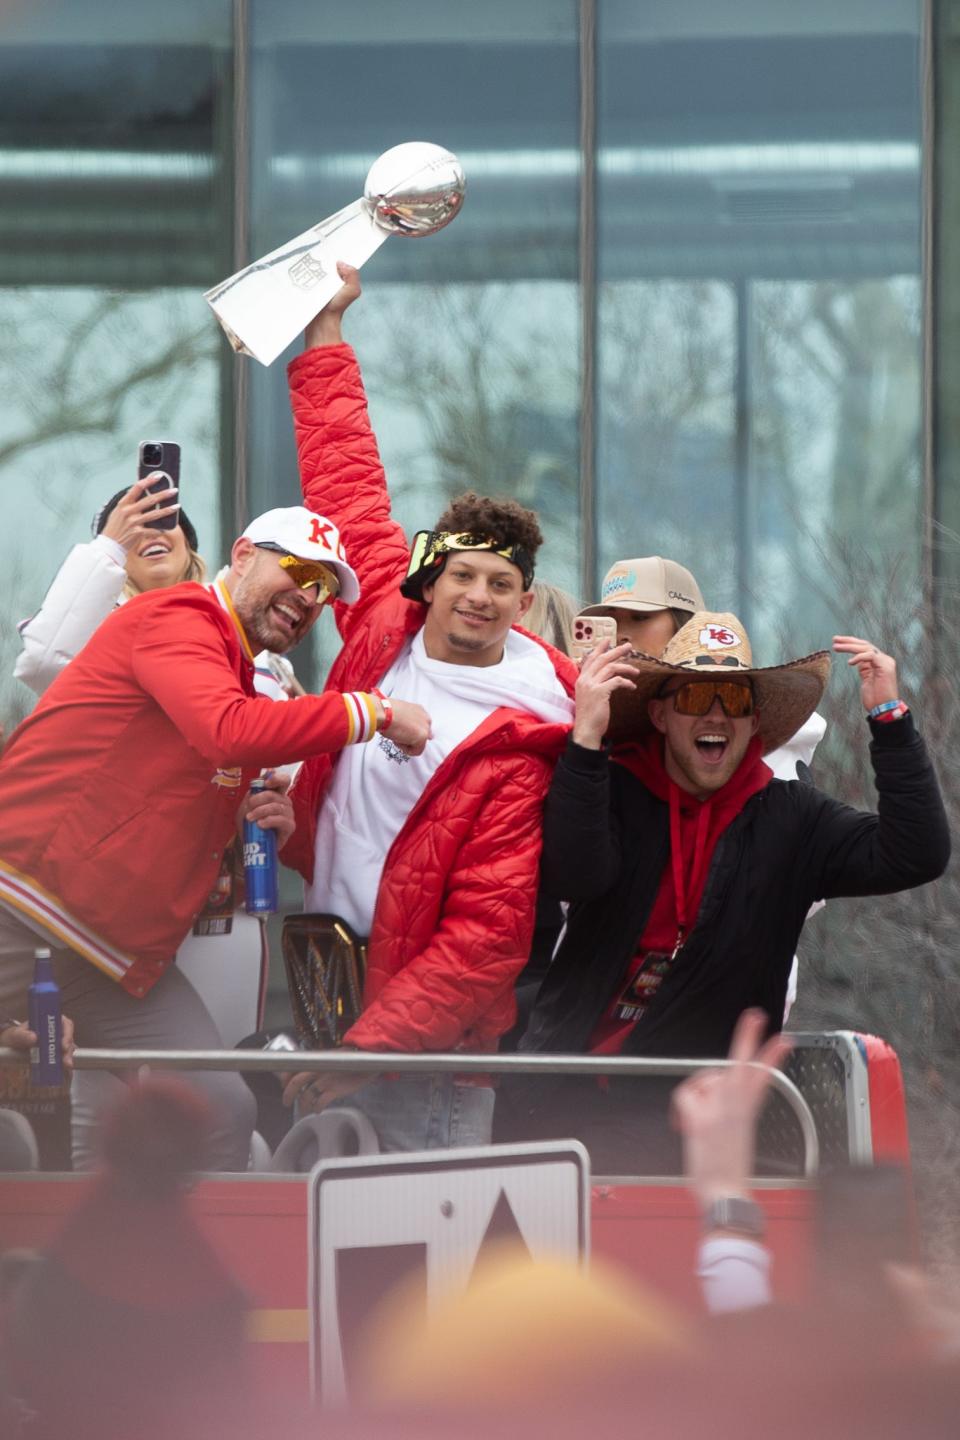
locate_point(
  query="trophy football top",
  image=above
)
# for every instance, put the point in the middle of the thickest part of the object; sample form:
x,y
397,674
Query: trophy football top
x,y
414,189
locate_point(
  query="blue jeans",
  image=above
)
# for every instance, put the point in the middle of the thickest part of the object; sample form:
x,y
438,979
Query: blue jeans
x,y
426,1112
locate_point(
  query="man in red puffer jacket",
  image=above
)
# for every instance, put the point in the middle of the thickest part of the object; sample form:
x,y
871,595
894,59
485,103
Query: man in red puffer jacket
x,y
434,857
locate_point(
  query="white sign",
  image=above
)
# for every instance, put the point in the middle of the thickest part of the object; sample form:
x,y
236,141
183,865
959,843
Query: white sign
x,y
425,1220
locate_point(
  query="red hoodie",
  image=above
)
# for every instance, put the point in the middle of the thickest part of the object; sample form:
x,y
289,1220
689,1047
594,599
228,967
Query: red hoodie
x,y
695,827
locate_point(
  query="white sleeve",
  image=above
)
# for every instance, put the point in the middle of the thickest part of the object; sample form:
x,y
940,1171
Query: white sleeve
x,y
734,1273
89,584
267,670
798,749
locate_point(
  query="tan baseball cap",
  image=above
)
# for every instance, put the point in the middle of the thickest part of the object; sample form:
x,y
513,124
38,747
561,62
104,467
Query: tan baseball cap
x,y
649,583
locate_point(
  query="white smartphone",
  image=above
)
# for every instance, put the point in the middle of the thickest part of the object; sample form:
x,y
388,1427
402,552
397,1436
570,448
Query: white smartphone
x,y
588,631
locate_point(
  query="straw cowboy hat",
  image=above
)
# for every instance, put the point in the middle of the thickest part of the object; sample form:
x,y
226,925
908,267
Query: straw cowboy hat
x,y
712,644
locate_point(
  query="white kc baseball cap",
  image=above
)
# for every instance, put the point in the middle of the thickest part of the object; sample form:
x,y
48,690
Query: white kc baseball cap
x,y
297,531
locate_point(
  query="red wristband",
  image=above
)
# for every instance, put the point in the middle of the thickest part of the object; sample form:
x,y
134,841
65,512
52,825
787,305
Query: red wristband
x,y
387,711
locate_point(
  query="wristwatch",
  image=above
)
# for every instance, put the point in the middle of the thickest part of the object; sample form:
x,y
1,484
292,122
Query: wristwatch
x,y
733,1212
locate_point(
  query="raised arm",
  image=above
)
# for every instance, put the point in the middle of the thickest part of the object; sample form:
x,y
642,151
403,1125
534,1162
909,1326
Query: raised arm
x,y
581,851
907,842
341,472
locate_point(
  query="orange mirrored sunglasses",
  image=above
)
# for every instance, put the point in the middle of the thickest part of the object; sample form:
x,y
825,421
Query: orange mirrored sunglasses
x,y
697,696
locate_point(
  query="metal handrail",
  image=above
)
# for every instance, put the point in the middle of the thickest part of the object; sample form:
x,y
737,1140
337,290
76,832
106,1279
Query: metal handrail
x,y
375,1063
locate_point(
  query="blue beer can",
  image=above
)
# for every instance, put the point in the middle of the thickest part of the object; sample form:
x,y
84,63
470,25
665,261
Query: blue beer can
x,y
44,1019
260,872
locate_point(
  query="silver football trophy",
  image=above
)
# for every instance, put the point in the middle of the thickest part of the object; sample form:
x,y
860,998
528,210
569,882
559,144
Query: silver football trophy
x,y
413,189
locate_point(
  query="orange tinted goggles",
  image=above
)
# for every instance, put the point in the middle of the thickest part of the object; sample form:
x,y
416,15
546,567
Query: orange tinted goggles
x,y
305,573
697,697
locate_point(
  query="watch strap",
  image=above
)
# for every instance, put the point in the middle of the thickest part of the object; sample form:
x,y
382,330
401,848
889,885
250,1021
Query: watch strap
x,y
734,1212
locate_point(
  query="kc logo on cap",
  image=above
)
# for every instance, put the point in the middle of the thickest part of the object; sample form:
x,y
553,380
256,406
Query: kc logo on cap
x,y
322,532
307,536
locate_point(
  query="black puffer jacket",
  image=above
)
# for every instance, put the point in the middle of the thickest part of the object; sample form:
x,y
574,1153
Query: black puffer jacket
x,y
606,841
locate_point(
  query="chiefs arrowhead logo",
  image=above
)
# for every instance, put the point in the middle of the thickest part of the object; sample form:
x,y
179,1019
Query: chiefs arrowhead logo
x,y
719,637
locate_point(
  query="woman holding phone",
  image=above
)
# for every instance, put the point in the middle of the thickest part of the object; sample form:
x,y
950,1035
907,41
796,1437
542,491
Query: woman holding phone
x,y
127,555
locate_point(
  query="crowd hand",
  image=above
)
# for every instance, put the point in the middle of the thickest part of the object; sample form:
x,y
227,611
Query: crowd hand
x,y
314,1090
20,1037
324,329
604,670
410,727
127,524
271,808
716,1111
929,1310
878,672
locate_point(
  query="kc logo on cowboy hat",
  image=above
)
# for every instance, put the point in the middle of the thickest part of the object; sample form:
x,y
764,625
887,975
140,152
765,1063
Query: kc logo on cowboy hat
x,y
713,643
719,637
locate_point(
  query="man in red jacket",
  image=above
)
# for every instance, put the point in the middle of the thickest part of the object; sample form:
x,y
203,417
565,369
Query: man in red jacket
x,y
434,858
120,791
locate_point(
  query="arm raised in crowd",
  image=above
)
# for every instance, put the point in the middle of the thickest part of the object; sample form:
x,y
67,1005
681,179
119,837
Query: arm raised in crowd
x,y
907,842
581,852
341,472
716,1112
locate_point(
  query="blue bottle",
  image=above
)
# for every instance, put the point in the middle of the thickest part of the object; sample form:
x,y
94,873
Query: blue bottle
x,y
43,1017
260,865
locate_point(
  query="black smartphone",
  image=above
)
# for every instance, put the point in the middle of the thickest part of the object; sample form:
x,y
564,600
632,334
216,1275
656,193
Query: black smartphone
x,y
161,455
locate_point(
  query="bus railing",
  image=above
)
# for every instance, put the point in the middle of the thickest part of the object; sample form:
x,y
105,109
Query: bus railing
x,y
375,1063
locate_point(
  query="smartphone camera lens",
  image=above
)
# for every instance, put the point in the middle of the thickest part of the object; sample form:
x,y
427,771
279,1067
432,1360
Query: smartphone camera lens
x,y
152,454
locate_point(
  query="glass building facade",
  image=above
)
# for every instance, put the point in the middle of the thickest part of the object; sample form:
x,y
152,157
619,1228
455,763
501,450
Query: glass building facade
x,y
688,308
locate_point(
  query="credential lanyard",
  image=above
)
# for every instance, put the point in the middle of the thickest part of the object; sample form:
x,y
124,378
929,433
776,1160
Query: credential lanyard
x,y
680,892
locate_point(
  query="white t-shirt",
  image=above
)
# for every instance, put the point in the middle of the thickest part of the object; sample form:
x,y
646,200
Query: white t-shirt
x,y
375,786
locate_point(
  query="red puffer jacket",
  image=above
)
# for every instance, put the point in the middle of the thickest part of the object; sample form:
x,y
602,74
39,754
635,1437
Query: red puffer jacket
x,y
455,910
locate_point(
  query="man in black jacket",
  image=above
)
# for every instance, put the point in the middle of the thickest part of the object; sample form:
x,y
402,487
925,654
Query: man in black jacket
x,y
690,870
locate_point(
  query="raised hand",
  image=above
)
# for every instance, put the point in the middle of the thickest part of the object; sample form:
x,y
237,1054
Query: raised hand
x,y
324,329
878,672
127,524
603,671
716,1111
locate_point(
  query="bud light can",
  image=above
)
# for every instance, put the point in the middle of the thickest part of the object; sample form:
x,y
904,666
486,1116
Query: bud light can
x,y
44,1019
260,865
